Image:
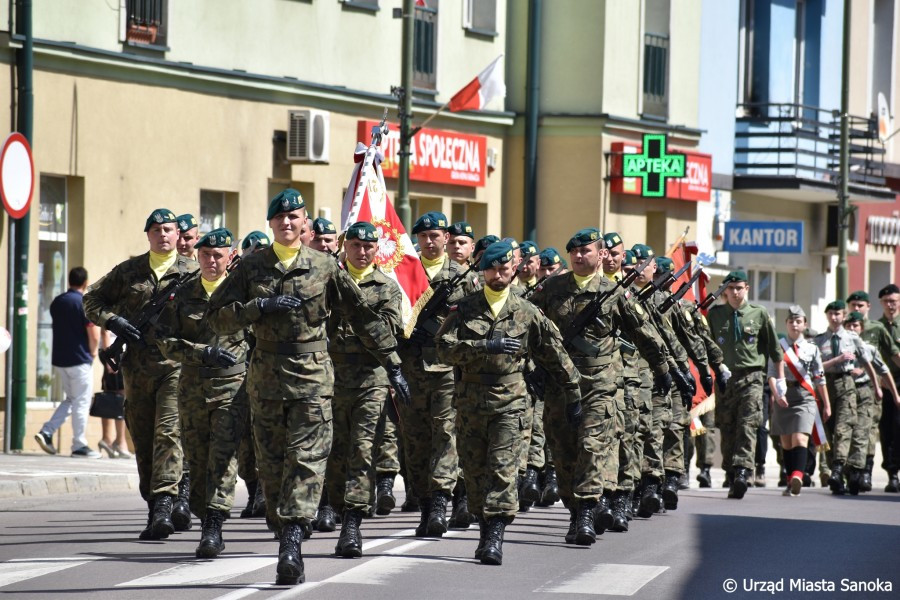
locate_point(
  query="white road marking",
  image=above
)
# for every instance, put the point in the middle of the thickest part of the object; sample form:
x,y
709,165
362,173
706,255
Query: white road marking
x,y
204,572
20,569
386,540
607,579
247,591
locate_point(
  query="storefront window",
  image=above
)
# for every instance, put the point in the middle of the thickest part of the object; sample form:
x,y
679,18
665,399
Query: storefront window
x,y
51,274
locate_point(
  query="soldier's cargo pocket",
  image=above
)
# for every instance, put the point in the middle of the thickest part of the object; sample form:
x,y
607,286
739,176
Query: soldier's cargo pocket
x,y
314,303
310,432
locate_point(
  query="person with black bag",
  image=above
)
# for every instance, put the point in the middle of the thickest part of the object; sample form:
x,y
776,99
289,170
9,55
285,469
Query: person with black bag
x,y
109,405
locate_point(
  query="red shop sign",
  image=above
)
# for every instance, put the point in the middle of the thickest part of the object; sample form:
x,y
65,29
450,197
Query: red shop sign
x,y
696,185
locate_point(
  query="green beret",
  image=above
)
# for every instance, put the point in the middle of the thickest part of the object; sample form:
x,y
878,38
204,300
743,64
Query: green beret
x,y
611,240
836,305
511,241
256,237
217,238
496,254
853,317
462,228
642,251
186,222
286,201
362,230
159,216
630,259
323,226
528,248
430,221
664,264
583,237
736,277
889,289
484,242
859,296
550,257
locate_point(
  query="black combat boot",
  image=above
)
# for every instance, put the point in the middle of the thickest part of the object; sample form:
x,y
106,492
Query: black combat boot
x,y
893,485
524,505
425,509
492,554
650,500
853,476
684,482
411,503
620,511
251,499
459,515
350,543
161,526
570,534
259,502
636,498
704,477
384,495
670,490
482,538
584,523
211,543
836,481
147,533
629,505
530,490
181,510
550,493
437,519
865,479
603,517
290,563
739,483
325,520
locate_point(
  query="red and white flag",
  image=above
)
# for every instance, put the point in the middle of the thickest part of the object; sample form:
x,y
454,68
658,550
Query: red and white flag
x,y
367,200
481,90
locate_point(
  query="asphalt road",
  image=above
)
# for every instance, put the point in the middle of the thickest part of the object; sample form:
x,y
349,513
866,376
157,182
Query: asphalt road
x,y
85,546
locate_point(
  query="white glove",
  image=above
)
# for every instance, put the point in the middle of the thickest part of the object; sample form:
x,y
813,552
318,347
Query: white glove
x,y
781,387
724,373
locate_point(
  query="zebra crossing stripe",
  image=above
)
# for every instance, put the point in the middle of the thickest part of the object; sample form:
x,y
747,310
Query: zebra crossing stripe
x,y
20,569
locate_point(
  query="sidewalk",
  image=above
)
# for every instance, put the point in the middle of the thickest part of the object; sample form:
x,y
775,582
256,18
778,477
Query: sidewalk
x,y
27,475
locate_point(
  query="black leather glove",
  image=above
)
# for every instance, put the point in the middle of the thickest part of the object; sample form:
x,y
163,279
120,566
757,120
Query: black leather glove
x,y
121,327
663,383
401,388
722,376
574,414
216,356
503,345
420,337
278,304
685,383
706,381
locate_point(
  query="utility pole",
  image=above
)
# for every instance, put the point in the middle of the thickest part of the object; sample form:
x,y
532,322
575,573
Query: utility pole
x,y
404,97
844,209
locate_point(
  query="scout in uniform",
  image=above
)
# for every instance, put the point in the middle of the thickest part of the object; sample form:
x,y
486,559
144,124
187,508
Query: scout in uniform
x,y
287,293
889,426
489,336
213,412
461,243
361,388
324,238
188,234
151,381
747,337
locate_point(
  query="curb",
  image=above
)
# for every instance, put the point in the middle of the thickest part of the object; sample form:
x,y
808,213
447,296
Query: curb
x,y
68,484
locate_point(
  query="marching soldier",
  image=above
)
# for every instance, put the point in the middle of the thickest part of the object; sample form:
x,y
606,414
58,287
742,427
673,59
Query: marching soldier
x,y
461,243
527,276
747,337
211,400
480,247
151,381
188,234
325,238
551,263
488,336
889,426
361,389
287,293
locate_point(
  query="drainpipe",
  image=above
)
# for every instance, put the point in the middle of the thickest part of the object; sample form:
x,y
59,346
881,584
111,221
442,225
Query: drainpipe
x,y
532,87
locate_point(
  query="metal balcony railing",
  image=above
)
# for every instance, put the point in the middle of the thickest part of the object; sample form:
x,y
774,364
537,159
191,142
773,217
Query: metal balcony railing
x,y
796,140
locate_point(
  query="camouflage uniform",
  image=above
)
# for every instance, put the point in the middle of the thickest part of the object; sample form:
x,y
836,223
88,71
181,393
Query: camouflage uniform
x,y
492,395
151,381
705,444
361,388
876,334
211,401
291,378
634,421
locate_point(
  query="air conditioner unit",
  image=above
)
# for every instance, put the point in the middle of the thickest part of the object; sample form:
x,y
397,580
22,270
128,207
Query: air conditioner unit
x,y
308,135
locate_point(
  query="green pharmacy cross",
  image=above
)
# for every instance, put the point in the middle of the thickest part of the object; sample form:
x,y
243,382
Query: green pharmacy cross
x,y
654,165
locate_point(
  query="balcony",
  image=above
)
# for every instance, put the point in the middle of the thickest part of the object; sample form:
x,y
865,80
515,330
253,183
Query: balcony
x,y
792,151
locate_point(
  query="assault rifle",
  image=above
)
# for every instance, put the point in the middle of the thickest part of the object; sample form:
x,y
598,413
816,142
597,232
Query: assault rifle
x,y
427,324
112,356
710,298
662,282
537,284
680,292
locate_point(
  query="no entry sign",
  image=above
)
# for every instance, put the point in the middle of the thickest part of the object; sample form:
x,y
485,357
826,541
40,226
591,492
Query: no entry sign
x,y
16,175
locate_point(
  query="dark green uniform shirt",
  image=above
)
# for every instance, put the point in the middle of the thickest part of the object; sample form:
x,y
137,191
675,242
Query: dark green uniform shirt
x,y
746,335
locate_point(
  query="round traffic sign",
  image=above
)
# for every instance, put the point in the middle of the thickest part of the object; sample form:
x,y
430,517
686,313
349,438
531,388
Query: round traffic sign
x,y
16,175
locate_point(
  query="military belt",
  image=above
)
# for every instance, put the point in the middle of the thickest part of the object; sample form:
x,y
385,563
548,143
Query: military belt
x,y
291,348
209,372
492,378
354,359
589,361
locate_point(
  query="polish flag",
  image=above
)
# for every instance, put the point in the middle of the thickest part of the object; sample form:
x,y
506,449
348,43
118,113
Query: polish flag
x,y
484,88
367,200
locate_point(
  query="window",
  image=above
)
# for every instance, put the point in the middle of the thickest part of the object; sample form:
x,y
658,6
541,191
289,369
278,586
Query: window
x,y
212,211
882,51
480,16
52,274
425,47
366,5
145,22
656,59
775,291
457,212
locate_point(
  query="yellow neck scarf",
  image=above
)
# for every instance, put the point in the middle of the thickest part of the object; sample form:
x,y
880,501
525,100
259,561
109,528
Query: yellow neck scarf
x,y
210,286
160,263
613,276
496,300
530,282
433,267
359,274
285,254
581,282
